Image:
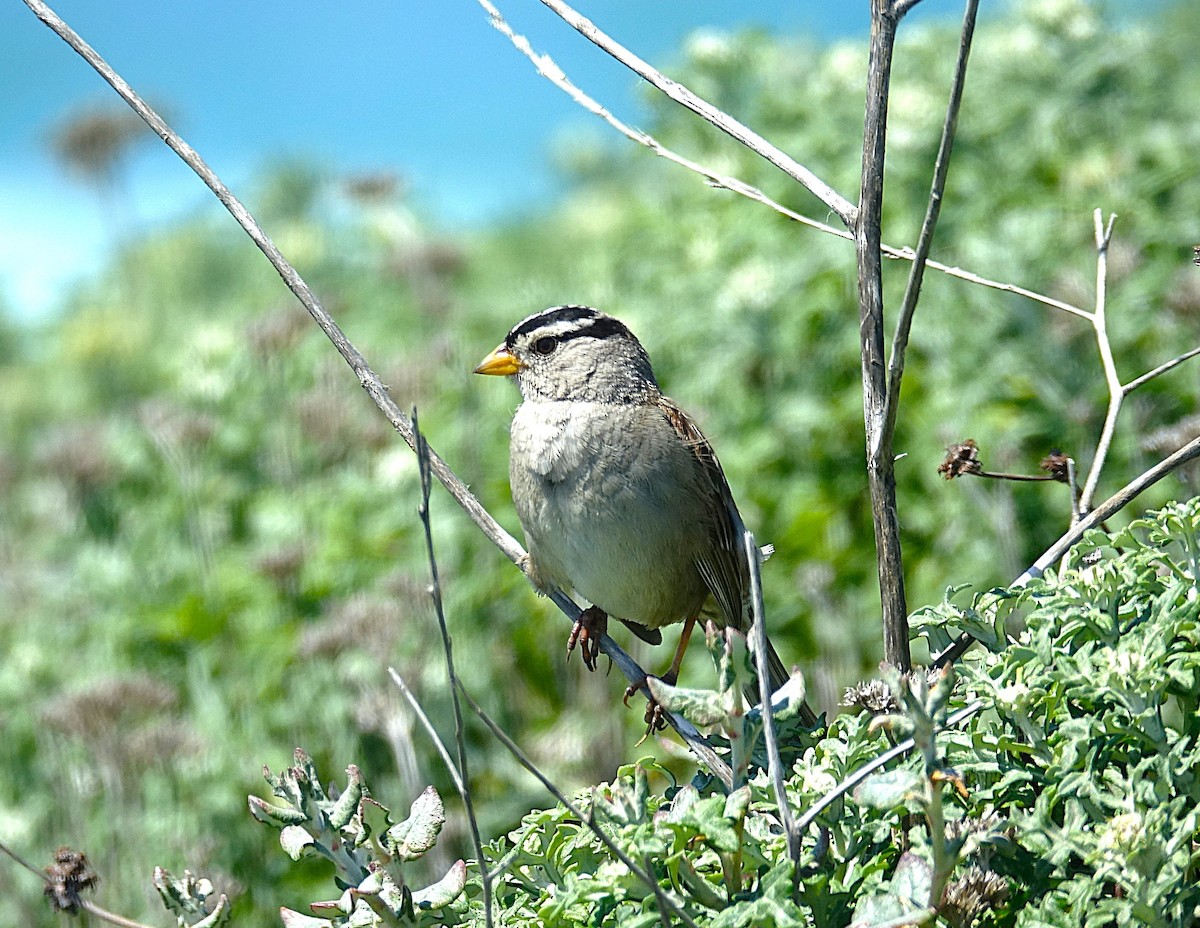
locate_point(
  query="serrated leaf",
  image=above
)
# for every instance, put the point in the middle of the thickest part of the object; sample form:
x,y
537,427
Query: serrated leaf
x,y
889,789
737,804
876,910
440,894
697,887
270,814
700,707
294,840
913,879
684,799
347,803
412,837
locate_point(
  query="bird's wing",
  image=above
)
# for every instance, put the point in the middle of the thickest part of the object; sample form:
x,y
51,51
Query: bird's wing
x,y
722,564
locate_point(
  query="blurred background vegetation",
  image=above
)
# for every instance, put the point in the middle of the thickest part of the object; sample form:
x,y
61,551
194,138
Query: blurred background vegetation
x,y
209,551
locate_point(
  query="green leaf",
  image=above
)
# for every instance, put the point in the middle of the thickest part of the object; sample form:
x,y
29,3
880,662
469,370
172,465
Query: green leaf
x,y
412,837
440,894
889,789
295,840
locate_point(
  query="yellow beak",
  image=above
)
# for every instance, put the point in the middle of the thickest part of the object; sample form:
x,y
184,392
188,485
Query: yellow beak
x,y
500,362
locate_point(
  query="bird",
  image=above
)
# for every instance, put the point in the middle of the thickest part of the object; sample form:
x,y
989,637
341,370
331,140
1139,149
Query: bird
x,y
621,497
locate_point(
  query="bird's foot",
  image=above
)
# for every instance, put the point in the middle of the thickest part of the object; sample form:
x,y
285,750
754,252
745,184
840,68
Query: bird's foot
x,y
591,624
656,715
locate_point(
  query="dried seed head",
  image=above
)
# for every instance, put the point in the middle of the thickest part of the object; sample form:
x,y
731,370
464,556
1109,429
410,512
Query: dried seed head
x,y
975,892
961,459
68,877
1056,464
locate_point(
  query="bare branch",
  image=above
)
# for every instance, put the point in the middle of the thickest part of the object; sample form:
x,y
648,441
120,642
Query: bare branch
x,y
367,378
907,254
900,7
664,900
435,591
547,67
916,273
881,475
842,207
810,815
1158,371
1116,394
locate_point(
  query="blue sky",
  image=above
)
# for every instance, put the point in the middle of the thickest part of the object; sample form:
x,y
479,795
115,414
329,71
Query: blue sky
x,y
426,89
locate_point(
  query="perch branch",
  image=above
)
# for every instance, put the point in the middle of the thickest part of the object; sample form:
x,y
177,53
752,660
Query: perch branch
x,y
367,378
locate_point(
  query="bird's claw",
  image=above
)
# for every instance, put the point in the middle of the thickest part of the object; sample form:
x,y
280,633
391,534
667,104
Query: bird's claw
x,y
656,715
586,632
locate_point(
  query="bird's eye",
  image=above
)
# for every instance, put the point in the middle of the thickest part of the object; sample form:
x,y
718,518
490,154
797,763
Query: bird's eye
x,y
545,345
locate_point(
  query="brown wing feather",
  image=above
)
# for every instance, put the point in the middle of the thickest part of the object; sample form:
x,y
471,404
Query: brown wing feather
x,y
723,566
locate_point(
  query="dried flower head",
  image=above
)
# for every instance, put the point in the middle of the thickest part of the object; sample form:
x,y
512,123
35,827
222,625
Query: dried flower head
x,y
873,695
962,458
67,878
975,892
1057,465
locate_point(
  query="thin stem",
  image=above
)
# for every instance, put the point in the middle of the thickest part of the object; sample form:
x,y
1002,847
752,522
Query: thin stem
x,y
916,273
1028,478
1101,513
111,917
549,69
435,591
881,477
1158,371
906,254
1074,488
758,632
1116,394
842,207
521,758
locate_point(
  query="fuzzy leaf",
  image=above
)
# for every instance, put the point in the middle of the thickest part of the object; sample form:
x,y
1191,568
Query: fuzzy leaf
x,y
913,879
440,894
347,803
412,837
293,919
889,789
270,814
700,707
295,840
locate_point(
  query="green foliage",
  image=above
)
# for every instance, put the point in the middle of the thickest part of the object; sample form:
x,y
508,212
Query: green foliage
x,y
1089,752
1072,799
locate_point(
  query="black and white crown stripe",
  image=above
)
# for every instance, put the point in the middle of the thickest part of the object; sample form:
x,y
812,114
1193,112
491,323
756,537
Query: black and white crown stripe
x,y
567,322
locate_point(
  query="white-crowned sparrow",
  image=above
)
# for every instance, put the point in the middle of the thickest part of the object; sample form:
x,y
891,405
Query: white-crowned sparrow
x,y
620,495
